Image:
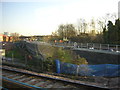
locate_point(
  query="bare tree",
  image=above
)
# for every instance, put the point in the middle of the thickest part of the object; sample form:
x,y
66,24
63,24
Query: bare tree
x,y
93,28
70,30
61,31
103,21
66,31
82,26
101,25
55,33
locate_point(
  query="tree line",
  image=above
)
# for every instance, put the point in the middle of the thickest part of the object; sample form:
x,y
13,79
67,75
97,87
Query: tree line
x,y
103,32
111,34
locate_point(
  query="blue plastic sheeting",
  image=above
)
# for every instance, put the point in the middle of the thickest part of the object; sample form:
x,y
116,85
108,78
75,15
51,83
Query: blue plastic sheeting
x,y
108,70
57,66
68,68
105,70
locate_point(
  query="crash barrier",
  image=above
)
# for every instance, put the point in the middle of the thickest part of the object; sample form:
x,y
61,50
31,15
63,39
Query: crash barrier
x,y
108,70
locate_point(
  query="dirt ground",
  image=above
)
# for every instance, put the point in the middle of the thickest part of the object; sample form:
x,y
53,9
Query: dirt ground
x,y
110,82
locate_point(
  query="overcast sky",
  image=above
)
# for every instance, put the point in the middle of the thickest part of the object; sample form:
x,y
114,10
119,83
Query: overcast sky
x,y
41,17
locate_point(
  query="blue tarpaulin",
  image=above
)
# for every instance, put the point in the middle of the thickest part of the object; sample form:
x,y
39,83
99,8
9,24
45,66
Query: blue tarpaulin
x,y
105,70
108,70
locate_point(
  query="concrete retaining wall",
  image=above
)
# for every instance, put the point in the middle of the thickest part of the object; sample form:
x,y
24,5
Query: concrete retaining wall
x,y
99,58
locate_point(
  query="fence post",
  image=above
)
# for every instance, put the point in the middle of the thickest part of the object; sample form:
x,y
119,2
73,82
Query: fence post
x,y
57,66
77,71
116,47
100,46
87,45
81,45
93,46
108,46
78,45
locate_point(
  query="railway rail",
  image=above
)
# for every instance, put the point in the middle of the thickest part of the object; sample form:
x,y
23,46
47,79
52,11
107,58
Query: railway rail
x,y
28,79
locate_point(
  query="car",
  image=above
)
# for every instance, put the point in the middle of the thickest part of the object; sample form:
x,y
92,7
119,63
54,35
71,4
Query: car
x,y
117,51
111,50
91,48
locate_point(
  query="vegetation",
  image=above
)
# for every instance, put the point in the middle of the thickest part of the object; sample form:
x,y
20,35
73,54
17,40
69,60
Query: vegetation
x,y
14,53
112,33
49,53
108,32
102,30
68,56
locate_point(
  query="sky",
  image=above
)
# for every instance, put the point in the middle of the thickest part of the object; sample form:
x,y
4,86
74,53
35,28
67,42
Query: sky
x,y
42,17
119,9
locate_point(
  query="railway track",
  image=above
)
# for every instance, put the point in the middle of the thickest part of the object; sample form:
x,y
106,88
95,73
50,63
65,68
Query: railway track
x,y
27,79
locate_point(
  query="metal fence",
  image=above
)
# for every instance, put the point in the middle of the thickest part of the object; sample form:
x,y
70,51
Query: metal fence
x,y
92,46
